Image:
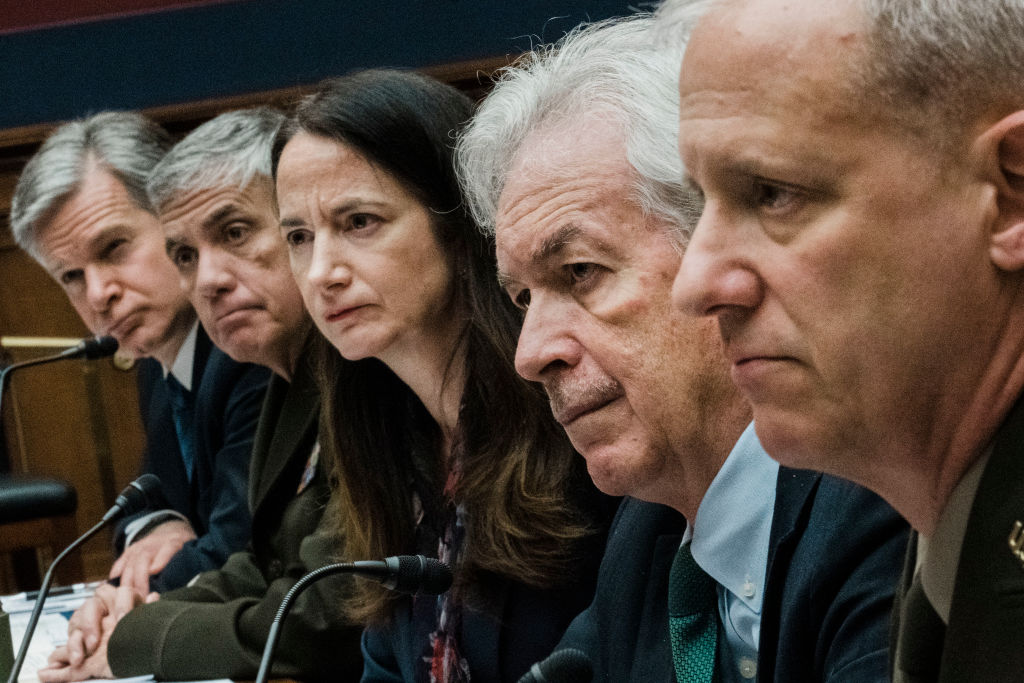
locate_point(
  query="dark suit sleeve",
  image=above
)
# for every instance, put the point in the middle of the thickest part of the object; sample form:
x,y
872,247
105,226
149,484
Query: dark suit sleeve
x,y
216,628
226,426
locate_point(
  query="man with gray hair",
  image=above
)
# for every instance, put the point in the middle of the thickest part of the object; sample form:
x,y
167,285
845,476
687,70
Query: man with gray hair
x,y
215,198
80,209
862,249
721,565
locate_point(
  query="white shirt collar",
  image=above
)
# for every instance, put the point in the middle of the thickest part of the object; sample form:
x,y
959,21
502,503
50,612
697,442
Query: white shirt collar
x,y
731,533
938,556
185,361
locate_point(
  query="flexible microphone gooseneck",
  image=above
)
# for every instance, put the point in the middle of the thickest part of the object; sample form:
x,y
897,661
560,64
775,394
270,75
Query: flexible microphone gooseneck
x,y
561,666
401,573
138,495
90,348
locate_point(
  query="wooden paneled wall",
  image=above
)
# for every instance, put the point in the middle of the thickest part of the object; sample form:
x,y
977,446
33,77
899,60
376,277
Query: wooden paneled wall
x,y
76,420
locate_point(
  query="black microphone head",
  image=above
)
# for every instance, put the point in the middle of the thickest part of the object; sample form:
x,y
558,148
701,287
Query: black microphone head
x,y
416,573
92,348
99,347
562,666
142,493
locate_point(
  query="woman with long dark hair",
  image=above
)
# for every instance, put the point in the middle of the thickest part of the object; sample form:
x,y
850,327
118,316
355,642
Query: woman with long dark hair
x,y
441,449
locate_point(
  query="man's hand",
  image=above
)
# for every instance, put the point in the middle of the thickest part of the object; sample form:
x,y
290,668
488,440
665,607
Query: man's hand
x,y
151,553
60,669
91,624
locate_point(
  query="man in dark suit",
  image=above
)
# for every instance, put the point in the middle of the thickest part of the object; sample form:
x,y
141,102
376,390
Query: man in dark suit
x,y
214,195
208,495
80,210
863,252
571,161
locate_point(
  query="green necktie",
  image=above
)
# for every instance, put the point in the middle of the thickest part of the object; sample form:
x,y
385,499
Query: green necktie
x,y
692,619
183,412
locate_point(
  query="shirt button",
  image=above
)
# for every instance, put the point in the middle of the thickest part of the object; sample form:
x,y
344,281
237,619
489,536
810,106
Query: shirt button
x,y
748,667
749,589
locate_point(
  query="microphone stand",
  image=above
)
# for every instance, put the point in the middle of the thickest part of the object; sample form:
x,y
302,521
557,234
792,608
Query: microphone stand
x,y
5,461
89,348
136,496
401,573
19,661
274,634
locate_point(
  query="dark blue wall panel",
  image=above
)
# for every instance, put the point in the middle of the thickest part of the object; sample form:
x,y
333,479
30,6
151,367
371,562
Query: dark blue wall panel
x,y
238,47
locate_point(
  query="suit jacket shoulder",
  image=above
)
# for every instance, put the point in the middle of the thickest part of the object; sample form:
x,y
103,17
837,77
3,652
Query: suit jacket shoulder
x,y
835,560
625,629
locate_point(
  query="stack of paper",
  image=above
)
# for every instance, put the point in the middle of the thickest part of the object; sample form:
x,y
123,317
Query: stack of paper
x,y
52,629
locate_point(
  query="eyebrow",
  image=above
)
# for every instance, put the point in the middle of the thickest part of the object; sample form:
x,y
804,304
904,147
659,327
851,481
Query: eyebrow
x,y
211,222
173,240
95,246
105,233
549,247
556,242
343,208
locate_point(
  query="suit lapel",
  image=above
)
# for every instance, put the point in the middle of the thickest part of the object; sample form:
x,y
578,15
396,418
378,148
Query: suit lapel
x,y
295,406
202,354
906,578
794,491
200,357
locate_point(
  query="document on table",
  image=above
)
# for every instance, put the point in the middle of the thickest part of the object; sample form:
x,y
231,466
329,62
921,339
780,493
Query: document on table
x,y
52,629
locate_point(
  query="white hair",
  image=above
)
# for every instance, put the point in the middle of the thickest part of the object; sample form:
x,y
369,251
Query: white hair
x,y
229,150
614,68
126,144
674,19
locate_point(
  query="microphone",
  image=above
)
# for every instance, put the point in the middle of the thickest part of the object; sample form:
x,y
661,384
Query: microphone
x,y
141,494
138,495
406,573
401,573
90,348
562,666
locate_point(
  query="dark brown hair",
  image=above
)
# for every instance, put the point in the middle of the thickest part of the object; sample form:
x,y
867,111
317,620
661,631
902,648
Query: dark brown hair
x,y
518,473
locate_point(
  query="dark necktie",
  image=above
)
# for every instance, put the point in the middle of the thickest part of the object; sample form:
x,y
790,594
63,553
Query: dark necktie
x,y
183,412
921,635
692,619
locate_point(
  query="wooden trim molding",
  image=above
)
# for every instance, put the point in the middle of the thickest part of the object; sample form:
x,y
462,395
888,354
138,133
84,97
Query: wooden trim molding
x,y
472,76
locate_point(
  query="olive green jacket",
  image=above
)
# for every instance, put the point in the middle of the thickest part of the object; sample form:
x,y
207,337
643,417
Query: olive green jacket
x,y
216,627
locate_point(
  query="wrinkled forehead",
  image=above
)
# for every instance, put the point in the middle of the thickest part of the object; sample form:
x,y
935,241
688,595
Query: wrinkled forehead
x,y
559,171
565,152
201,210
790,44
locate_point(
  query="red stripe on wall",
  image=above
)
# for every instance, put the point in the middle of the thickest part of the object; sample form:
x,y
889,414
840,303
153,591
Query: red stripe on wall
x,y
16,15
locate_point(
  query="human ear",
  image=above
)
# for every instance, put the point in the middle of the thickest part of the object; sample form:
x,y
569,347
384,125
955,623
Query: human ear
x,y
1007,242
